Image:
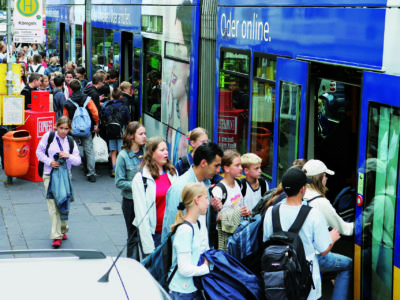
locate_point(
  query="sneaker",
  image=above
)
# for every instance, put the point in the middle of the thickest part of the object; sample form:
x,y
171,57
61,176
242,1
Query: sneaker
x,y
92,178
64,237
112,173
56,244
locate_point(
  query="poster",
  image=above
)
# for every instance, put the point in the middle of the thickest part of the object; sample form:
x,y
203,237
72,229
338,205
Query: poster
x,y
13,110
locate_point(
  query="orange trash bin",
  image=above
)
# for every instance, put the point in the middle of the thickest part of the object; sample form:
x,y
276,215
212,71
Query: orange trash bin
x,y
16,152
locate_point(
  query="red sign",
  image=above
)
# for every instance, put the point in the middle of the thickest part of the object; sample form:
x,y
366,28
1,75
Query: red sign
x,y
44,124
227,124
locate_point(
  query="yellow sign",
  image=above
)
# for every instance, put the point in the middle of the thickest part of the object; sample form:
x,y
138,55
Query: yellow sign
x,y
15,77
27,8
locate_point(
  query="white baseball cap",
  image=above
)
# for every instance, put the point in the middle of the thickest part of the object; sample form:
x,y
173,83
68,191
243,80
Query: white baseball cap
x,y
314,167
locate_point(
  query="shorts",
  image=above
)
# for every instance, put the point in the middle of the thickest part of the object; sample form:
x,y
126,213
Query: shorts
x,y
115,145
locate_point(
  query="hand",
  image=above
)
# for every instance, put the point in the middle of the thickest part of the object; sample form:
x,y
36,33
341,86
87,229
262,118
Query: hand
x,y
244,212
64,155
206,262
102,97
96,128
216,203
335,235
54,164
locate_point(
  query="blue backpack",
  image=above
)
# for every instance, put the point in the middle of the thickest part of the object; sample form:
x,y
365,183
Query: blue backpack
x,y
228,278
345,204
81,122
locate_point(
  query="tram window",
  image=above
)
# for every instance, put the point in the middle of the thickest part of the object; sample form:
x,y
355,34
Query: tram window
x,y
116,57
290,94
234,91
263,111
78,45
52,39
98,59
67,44
152,70
136,82
177,51
108,47
380,193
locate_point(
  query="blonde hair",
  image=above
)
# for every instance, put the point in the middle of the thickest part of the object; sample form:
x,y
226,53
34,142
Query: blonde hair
x,y
228,158
249,159
53,61
125,85
189,193
196,133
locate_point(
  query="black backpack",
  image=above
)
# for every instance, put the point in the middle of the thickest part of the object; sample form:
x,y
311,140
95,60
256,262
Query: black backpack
x,y
345,204
286,271
49,141
263,185
113,122
223,188
185,164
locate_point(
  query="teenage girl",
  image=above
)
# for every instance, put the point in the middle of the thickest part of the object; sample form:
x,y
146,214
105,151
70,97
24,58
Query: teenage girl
x,y
149,191
128,163
187,242
233,208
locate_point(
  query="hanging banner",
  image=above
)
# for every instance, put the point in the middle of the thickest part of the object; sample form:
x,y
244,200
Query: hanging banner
x,y
28,21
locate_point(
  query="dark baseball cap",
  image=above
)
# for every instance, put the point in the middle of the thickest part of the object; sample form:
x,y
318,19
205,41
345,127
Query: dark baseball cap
x,y
293,180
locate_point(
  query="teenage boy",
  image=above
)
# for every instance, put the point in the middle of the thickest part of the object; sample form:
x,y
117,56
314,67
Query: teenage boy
x,y
206,163
93,89
314,233
33,85
115,144
87,142
58,96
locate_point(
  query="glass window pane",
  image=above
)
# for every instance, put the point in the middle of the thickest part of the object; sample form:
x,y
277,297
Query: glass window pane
x,y
98,58
290,94
381,177
262,124
236,62
136,83
266,68
78,44
52,39
116,56
109,49
332,100
67,44
177,50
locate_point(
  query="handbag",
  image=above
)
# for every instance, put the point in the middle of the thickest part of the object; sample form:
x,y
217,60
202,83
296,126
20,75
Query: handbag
x,y
100,149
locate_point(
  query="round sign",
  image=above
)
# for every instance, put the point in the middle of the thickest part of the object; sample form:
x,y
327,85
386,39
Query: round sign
x,y
359,200
28,8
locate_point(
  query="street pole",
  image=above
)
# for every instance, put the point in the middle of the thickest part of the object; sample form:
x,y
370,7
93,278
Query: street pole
x,y
9,62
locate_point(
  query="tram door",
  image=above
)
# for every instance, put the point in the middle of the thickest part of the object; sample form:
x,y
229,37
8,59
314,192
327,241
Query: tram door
x,y
126,56
116,52
290,114
377,257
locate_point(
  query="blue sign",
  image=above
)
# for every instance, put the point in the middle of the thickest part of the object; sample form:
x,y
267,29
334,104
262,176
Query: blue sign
x,y
57,13
122,17
362,3
349,36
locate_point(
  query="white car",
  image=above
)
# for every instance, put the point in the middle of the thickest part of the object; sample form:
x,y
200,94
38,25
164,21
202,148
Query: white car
x,y
73,275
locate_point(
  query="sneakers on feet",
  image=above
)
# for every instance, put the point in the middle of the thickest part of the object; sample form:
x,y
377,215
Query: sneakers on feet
x,y
92,178
64,237
112,173
56,244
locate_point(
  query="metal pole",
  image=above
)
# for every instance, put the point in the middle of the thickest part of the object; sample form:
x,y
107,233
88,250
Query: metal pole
x,y
9,55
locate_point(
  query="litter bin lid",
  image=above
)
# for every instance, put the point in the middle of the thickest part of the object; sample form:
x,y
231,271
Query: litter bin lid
x,y
20,135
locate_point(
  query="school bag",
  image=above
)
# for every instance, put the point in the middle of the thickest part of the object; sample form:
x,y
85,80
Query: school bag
x,y
260,206
159,262
81,123
37,69
113,122
286,271
185,163
345,204
228,278
263,185
49,141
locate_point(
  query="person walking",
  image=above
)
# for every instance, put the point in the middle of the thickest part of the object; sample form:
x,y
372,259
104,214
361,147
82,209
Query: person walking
x,y
128,163
59,145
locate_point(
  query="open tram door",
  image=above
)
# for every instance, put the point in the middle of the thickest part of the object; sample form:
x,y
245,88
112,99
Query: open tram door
x,y
290,114
377,243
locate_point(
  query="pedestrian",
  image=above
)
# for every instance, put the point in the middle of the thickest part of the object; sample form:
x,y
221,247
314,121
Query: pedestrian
x,y
24,79
3,50
186,249
128,163
197,137
44,83
149,189
53,67
79,99
126,88
33,85
61,146
233,208
33,50
316,197
68,76
36,66
81,76
117,117
206,163
58,96
92,90
314,233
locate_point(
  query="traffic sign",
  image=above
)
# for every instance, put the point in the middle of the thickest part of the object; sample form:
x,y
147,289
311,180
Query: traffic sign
x,y
28,21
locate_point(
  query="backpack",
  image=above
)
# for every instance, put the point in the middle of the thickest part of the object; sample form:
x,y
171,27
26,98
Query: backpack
x,y
263,185
286,271
185,163
159,262
260,206
345,204
113,122
223,188
37,70
81,123
49,141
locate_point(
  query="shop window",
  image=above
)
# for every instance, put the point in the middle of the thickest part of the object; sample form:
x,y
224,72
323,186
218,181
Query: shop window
x,y
152,70
234,91
263,111
98,58
78,45
108,49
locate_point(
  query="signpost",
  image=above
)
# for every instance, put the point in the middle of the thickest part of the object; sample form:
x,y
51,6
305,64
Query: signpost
x,y
28,21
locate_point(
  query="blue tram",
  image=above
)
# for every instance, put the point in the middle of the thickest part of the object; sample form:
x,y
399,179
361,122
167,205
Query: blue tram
x,y
285,79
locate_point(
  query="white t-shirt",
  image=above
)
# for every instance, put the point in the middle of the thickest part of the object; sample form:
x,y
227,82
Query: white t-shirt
x,y
252,196
233,196
314,234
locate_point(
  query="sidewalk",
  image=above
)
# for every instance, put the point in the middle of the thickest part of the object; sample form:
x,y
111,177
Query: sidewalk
x,y
95,220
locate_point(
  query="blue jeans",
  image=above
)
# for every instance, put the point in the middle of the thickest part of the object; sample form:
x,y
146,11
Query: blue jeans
x,y
87,145
343,265
197,295
157,239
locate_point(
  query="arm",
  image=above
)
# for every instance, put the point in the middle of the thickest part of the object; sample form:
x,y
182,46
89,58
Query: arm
x,y
187,269
335,236
75,157
41,149
172,201
127,117
93,111
121,180
333,219
65,112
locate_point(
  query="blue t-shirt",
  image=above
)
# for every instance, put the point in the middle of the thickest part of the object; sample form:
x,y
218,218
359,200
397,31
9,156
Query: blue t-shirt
x,y
185,241
314,235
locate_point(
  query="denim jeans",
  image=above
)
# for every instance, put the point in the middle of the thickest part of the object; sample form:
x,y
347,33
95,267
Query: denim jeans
x,y
343,265
197,295
132,249
157,239
87,145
